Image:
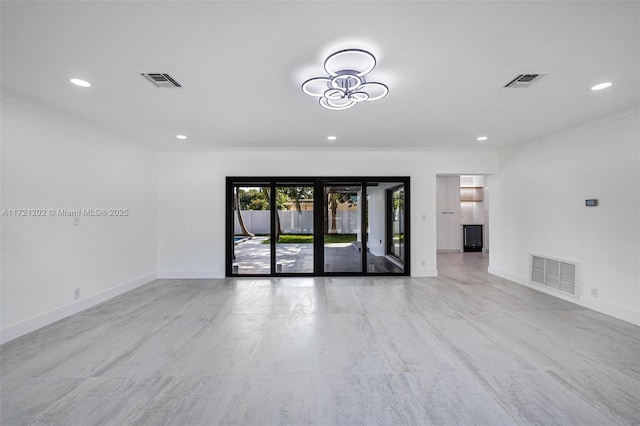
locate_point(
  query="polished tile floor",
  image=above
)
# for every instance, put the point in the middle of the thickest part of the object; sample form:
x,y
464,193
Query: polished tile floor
x,y
465,348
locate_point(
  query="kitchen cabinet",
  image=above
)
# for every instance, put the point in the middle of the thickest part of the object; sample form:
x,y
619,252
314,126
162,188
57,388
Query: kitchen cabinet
x,y
448,227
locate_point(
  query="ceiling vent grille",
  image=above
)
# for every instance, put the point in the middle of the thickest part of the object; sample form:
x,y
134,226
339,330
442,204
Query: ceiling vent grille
x,y
161,79
559,275
524,80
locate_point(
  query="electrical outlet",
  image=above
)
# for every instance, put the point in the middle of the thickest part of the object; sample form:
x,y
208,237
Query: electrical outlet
x,y
594,291
76,294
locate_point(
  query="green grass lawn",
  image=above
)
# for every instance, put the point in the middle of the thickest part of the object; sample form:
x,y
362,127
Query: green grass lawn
x,y
339,238
308,239
294,239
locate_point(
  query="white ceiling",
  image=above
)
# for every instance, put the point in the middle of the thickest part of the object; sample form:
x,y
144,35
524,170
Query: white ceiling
x,y
242,64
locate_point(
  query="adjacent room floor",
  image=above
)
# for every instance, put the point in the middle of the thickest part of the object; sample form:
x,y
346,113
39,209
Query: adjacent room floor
x,y
464,348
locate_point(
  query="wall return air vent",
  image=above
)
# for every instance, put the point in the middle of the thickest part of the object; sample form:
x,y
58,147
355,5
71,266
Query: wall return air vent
x,y
559,275
524,80
161,79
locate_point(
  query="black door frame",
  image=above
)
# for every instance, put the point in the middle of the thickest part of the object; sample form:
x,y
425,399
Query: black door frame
x,y
318,220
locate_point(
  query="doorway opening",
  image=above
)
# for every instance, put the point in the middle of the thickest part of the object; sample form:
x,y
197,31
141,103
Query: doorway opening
x,y
462,212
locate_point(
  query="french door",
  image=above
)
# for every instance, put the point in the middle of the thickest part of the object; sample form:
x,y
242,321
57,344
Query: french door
x,y
287,226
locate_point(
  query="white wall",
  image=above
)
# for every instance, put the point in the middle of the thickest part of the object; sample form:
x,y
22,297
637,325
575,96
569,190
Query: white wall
x,y
485,205
48,164
191,191
538,206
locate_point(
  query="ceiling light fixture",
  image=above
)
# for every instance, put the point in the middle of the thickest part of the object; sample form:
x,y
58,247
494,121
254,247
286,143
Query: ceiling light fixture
x,y
182,137
481,138
331,138
81,83
346,85
602,86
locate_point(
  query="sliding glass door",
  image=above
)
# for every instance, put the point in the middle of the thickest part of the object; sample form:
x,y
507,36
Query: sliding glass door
x,y
386,227
251,229
317,226
342,221
294,231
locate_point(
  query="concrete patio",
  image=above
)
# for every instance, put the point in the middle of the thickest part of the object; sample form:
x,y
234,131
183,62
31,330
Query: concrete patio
x,y
252,256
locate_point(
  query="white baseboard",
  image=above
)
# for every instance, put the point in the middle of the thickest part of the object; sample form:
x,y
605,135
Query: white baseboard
x,y
507,275
191,274
424,273
586,301
20,329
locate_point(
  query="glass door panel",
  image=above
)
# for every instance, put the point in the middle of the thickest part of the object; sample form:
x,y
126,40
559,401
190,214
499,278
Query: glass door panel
x,y
396,225
342,227
294,229
251,230
384,227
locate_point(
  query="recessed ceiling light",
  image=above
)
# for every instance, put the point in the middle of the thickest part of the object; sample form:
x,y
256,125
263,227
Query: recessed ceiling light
x,y
602,86
182,137
481,138
331,138
81,83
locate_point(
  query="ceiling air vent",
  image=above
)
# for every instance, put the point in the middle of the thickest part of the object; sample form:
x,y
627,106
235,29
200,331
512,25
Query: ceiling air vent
x,y
161,80
524,80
